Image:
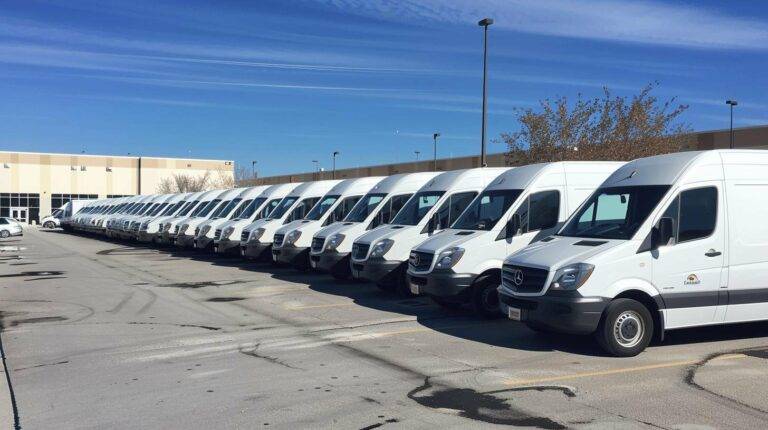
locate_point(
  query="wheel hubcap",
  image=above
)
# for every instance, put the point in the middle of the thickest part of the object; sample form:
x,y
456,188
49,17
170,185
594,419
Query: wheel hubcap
x,y
628,330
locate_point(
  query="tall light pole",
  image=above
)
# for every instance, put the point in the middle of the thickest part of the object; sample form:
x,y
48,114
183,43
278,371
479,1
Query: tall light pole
x,y
434,140
731,103
335,153
484,23
253,169
316,172
417,154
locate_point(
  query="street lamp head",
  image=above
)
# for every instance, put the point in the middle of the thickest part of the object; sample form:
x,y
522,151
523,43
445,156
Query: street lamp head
x,y
335,153
731,102
435,136
485,22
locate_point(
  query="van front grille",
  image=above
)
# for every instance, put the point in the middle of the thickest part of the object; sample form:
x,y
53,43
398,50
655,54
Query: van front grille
x,y
317,244
523,279
420,261
360,250
244,236
278,241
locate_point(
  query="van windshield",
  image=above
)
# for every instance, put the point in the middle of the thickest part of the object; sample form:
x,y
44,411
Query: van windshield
x,y
249,208
226,208
417,207
283,207
321,208
614,212
486,210
188,207
365,207
207,210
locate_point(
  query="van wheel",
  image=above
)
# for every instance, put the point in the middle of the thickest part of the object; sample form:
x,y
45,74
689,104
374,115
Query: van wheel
x,y
485,298
49,225
447,304
626,328
342,273
386,287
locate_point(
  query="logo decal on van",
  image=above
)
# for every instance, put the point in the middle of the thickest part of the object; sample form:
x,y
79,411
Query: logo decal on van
x,y
692,279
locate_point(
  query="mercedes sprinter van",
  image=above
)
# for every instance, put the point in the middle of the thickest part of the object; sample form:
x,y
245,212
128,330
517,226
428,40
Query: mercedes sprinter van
x,y
462,265
666,242
381,255
205,232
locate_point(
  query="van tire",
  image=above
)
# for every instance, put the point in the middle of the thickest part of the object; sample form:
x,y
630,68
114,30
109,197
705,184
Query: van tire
x,y
626,328
485,298
49,225
386,287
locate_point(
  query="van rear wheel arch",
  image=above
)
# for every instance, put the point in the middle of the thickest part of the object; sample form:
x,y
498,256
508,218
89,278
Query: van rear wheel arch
x,y
483,287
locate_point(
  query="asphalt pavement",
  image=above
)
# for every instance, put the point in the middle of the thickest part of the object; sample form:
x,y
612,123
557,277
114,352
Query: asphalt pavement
x,y
100,334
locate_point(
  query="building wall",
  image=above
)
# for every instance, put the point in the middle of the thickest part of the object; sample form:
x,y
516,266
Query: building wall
x,y
46,175
748,137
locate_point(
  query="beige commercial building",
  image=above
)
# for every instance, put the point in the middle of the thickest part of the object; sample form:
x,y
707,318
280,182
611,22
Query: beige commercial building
x,y
747,137
32,184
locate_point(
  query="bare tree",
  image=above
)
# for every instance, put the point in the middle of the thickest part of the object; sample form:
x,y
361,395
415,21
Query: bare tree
x,y
184,183
222,180
603,128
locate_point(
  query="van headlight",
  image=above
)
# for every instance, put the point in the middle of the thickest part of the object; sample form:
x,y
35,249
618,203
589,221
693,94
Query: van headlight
x,y
292,237
381,248
449,258
183,229
334,241
571,276
205,230
227,232
256,234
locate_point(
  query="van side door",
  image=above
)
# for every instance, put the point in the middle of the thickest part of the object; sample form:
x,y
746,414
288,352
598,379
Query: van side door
x,y
688,270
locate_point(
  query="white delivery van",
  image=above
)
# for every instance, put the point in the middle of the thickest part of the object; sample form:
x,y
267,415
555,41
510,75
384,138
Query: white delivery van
x,y
205,232
152,231
294,206
227,236
171,227
161,206
72,211
666,242
126,223
190,228
96,223
115,223
332,245
463,263
53,220
381,255
292,241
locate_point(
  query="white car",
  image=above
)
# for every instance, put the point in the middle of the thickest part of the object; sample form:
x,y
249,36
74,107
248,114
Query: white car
x,y
462,265
666,242
332,245
381,255
53,220
10,227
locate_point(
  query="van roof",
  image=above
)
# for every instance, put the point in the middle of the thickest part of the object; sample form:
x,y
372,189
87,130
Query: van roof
x,y
252,191
466,178
403,182
522,177
316,187
656,170
279,190
355,185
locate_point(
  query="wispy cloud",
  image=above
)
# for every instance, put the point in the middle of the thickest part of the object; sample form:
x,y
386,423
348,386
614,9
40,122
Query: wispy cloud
x,y
647,22
158,101
721,102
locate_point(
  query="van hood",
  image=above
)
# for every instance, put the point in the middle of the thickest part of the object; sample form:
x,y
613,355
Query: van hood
x,y
447,239
388,231
560,251
337,227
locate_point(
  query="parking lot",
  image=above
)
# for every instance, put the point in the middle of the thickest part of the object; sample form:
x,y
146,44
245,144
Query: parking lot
x,y
101,334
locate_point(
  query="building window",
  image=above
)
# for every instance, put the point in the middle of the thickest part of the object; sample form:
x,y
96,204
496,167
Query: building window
x,y
58,200
20,205
82,168
116,196
109,168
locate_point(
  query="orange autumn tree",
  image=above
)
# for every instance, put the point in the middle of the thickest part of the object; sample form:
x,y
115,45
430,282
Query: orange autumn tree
x,y
607,127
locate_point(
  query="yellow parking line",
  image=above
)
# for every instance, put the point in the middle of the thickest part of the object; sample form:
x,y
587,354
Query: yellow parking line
x,y
537,381
331,305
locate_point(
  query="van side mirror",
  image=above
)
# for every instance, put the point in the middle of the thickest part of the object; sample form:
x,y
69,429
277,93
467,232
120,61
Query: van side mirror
x,y
513,225
432,225
663,232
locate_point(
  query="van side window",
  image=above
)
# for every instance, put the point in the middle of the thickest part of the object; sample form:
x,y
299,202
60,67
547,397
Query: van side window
x,y
698,213
342,209
391,208
544,210
452,208
301,210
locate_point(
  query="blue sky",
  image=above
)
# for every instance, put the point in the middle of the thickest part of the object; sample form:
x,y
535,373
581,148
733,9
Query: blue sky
x,y
288,82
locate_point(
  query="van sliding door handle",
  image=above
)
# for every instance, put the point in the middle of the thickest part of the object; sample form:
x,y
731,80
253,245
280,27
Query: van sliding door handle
x,y
712,253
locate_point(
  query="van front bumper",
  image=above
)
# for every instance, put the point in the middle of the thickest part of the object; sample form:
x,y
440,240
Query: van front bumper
x,y
378,270
296,256
146,237
569,312
444,284
185,241
203,243
329,261
254,250
226,246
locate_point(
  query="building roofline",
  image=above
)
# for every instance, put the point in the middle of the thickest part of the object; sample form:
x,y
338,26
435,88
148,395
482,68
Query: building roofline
x,y
115,156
